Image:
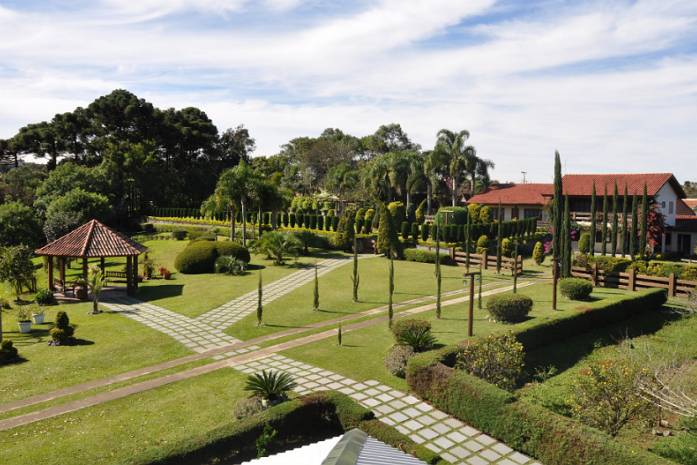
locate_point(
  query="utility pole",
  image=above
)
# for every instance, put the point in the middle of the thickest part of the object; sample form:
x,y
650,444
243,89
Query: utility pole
x,y
524,173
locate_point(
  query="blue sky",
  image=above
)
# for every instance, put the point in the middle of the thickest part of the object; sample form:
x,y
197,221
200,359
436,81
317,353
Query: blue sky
x,y
611,84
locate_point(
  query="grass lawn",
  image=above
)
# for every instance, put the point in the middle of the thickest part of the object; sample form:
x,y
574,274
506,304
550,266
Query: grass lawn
x,y
363,353
138,429
412,280
664,335
194,294
109,344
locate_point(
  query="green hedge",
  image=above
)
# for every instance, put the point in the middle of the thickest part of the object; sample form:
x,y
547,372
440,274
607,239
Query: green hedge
x,y
298,422
424,256
531,428
199,256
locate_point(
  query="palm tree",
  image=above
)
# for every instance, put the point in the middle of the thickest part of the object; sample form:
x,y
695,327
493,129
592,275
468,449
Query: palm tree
x,y
376,178
416,179
272,386
278,245
399,166
477,168
95,284
433,165
453,145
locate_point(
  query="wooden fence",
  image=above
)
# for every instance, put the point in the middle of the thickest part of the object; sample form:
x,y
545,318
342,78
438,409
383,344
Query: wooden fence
x,y
487,261
633,281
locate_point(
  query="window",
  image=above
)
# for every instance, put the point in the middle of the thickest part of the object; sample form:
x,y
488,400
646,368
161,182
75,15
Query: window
x,y
671,207
532,213
669,239
663,205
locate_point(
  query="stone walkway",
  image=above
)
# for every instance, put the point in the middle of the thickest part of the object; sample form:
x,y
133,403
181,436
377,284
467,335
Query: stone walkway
x,y
450,438
232,312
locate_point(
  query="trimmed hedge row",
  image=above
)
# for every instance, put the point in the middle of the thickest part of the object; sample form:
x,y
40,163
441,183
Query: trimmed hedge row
x,y
528,427
200,256
298,422
425,256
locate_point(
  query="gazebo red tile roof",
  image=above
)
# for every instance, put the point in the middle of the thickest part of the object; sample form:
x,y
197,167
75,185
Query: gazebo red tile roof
x,y
582,184
92,239
515,194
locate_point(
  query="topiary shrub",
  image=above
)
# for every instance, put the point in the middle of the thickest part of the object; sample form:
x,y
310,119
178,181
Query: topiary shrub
x,y
197,257
538,253
62,333
9,354
482,244
403,326
425,231
575,288
496,359
424,256
452,215
232,249
368,220
405,230
509,308
397,212
396,359
414,333
584,243
485,215
506,247
45,297
415,231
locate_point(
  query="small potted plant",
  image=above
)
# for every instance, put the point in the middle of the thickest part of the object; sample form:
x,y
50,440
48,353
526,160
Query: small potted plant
x,y
24,320
38,315
81,289
165,273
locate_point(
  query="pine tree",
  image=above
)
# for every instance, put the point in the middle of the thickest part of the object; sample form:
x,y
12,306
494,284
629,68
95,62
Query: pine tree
x,y
644,223
355,279
615,221
499,239
315,295
635,226
594,219
604,225
557,209
260,308
437,272
390,310
625,222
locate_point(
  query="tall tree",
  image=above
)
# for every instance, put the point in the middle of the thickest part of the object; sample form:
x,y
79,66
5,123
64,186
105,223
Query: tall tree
x,y
454,147
604,225
499,237
615,221
635,226
557,210
315,294
644,222
625,222
355,278
566,240
594,219
390,291
260,304
437,271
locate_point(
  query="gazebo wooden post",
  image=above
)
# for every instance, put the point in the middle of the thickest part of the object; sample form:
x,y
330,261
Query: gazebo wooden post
x,y
129,275
61,271
135,273
51,287
101,264
84,268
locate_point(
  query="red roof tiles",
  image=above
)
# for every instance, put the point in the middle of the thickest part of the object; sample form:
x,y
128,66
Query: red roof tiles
x,y
92,239
691,203
582,184
515,194
683,208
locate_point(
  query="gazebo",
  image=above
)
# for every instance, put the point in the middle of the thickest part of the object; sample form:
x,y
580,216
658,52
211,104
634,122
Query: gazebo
x,y
92,240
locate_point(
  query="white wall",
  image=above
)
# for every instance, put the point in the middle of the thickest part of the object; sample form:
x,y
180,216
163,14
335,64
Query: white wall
x,y
667,200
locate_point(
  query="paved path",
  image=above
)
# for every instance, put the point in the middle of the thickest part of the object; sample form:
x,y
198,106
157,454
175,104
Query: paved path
x,y
450,438
233,311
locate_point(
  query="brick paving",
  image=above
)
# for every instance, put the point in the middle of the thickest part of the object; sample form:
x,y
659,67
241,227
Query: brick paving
x,y
453,440
233,311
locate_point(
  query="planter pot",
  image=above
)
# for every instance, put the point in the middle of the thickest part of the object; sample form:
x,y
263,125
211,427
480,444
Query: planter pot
x,y
24,326
38,318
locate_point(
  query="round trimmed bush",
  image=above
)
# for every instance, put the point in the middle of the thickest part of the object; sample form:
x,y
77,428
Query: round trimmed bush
x,y
45,297
575,288
510,308
197,257
401,327
233,249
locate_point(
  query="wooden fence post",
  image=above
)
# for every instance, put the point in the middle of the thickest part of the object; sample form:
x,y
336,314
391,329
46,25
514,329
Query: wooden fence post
x,y
595,275
485,260
671,285
632,280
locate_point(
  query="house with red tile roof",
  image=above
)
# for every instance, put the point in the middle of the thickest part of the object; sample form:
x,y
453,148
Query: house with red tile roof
x,y
526,200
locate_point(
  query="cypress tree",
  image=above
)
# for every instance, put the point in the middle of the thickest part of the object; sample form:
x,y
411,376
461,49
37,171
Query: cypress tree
x,y
387,234
557,209
604,225
625,223
437,271
615,220
594,219
635,226
467,244
355,279
515,267
338,335
644,223
390,310
315,295
566,240
499,239
260,308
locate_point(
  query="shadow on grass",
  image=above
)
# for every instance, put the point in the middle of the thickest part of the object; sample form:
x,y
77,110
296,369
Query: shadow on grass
x,y
567,353
271,325
160,291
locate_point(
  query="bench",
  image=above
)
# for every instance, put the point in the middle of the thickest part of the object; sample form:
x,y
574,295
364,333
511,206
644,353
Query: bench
x,y
115,275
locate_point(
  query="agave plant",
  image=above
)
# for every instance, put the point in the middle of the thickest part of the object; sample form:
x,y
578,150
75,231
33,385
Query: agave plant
x,y
277,245
419,339
273,386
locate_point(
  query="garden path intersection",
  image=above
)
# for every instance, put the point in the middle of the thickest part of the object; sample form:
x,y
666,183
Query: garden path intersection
x,y
447,436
